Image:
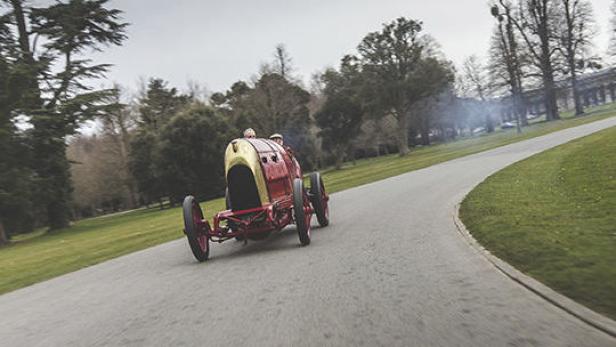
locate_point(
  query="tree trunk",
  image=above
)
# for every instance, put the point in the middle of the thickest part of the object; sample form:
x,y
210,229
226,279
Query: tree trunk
x,y
489,123
402,134
4,239
514,72
577,101
338,162
547,69
53,166
24,40
425,136
551,108
521,113
132,195
572,16
124,143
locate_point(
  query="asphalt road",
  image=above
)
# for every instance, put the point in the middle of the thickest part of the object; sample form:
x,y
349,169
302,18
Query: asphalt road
x,y
390,270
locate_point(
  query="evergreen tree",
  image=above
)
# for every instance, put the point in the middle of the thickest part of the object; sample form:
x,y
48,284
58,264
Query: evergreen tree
x,y
15,174
158,106
57,100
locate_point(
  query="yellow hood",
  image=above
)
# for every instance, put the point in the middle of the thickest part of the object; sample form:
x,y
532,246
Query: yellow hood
x,y
242,152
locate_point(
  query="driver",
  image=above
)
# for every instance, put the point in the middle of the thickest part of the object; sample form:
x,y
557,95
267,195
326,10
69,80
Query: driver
x,y
250,133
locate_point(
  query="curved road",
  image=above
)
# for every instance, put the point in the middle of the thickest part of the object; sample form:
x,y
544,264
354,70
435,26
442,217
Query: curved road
x,y
391,270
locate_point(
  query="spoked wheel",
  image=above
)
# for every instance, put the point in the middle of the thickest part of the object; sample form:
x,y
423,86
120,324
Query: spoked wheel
x,y
194,227
319,199
302,219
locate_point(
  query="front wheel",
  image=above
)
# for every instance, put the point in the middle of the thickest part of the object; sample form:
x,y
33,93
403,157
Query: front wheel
x,y
319,198
194,227
302,219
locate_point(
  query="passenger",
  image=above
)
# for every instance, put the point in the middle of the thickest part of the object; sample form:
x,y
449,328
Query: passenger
x,y
277,138
250,133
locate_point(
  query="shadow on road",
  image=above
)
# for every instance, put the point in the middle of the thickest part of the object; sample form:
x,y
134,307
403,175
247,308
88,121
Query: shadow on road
x,y
284,240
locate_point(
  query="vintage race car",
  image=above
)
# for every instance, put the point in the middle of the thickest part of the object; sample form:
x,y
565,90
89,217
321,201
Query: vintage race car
x,y
265,193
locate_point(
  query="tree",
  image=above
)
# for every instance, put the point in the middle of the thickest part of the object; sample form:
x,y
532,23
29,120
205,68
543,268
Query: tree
x,y
57,100
278,105
4,239
99,177
160,104
400,67
474,83
283,64
143,166
536,21
612,43
445,114
272,105
15,183
575,33
507,62
433,79
191,153
100,170
340,116
15,173
117,124
157,107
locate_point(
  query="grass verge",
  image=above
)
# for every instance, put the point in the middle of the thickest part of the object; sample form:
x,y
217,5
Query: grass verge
x,y
42,256
553,216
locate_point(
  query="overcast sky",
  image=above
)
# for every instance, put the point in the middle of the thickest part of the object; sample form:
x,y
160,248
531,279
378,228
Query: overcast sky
x,y
217,43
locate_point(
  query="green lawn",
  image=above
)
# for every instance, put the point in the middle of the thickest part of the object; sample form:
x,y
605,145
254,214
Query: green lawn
x,y
553,216
42,256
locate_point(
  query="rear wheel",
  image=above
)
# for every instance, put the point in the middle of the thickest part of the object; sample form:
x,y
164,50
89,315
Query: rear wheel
x,y
194,227
319,199
302,219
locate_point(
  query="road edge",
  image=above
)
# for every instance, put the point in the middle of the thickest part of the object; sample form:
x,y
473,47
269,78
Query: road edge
x,y
583,313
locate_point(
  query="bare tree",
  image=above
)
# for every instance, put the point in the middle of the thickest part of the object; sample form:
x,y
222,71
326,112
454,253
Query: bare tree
x,y
535,21
575,32
197,91
117,125
283,64
474,83
612,44
506,61
100,175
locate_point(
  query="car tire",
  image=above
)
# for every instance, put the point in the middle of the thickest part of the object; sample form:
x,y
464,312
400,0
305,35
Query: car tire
x,y
301,221
319,199
198,238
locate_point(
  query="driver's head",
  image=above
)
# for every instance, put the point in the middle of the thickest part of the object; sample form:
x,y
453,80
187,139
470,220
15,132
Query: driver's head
x,y
250,133
277,138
